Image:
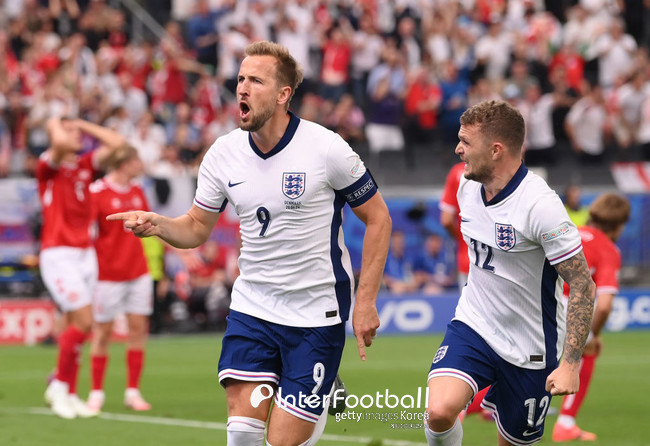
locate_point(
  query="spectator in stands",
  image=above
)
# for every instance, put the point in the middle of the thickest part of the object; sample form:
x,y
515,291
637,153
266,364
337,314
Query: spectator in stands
x,y
564,96
149,139
408,42
519,79
625,104
367,46
481,91
615,51
5,148
540,140
431,267
94,23
643,134
170,82
578,212
66,15
348,120
135,101
387,85
398,273
202,31
295,36
571,62
335,65
493,50
422,105
587,125
455,88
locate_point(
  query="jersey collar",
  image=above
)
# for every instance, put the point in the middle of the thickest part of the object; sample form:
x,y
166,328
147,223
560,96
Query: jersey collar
x,y
517,178
286,138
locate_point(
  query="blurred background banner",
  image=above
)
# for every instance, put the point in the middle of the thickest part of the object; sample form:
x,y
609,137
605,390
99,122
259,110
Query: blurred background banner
x,y
632,177
417,314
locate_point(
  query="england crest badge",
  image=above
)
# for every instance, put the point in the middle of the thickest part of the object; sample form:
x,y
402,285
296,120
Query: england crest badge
x,y
293,184
505,236
442,351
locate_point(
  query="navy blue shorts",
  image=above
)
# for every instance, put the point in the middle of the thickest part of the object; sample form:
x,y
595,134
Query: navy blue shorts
x,y
301,362
517,396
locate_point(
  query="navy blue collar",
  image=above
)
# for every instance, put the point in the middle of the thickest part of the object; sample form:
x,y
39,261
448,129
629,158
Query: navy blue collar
x,y
286,138
504,193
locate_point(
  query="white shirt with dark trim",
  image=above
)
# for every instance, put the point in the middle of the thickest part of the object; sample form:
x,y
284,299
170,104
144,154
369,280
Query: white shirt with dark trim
x,y
295,268
513,296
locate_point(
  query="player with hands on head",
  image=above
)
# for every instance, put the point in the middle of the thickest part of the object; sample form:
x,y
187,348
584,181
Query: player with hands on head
x,y
288,180
67,260
608,215
509,330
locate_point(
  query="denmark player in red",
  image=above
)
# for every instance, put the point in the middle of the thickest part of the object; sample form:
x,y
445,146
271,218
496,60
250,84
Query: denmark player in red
x,y
67,260
125,285
450,220
608,215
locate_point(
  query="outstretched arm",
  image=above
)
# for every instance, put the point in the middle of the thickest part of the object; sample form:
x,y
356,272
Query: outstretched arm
x,y
365,320
565,380
187,231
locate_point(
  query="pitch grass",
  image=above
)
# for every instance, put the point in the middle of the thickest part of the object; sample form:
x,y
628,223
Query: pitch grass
x,y
180,381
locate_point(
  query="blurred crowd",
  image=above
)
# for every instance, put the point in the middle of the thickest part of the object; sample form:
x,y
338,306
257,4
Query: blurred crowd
x,y
385,74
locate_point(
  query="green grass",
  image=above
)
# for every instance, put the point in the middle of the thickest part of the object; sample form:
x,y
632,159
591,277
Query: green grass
x,y
180,381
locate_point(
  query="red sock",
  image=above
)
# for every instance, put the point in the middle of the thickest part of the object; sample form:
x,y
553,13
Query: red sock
x,y
75,372
98,371
475,407
70,343
571,403
134,363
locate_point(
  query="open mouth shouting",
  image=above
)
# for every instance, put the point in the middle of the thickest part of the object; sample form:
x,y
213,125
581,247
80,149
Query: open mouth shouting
x,y
244,110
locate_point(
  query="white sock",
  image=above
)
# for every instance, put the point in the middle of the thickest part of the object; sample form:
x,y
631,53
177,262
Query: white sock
x,y
451,437
245,431
566,421
319,427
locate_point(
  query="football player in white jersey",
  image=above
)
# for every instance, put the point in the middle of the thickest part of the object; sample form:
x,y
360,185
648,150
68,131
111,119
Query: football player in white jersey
x,y
288,180
509,328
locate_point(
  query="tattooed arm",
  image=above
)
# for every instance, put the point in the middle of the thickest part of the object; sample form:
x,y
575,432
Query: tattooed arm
x,y
582,292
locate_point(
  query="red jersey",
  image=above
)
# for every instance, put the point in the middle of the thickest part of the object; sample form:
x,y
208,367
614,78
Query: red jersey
x,y
449,203
603,258
63,191
120,255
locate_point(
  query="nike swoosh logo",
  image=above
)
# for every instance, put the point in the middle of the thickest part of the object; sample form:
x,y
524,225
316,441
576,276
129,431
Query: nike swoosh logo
x,y
231,184
528,434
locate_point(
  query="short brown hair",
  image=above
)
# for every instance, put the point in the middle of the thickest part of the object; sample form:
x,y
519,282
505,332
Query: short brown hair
x,y
499,121
609,211
289,72
120,155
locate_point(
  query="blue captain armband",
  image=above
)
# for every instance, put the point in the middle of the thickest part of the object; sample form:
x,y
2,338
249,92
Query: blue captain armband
x,y
360,191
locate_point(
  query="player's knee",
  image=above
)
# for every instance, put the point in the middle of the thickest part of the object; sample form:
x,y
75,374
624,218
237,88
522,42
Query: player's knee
x,y
441,417
245,431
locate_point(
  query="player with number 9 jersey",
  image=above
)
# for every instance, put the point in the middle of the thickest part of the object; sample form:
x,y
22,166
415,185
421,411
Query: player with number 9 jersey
x,y
295,268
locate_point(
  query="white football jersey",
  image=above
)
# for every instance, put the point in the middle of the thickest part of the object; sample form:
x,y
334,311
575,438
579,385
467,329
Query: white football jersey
x,y
295,268
513,296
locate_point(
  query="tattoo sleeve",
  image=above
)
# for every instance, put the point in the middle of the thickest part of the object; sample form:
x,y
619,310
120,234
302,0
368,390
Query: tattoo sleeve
x,y
580,307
